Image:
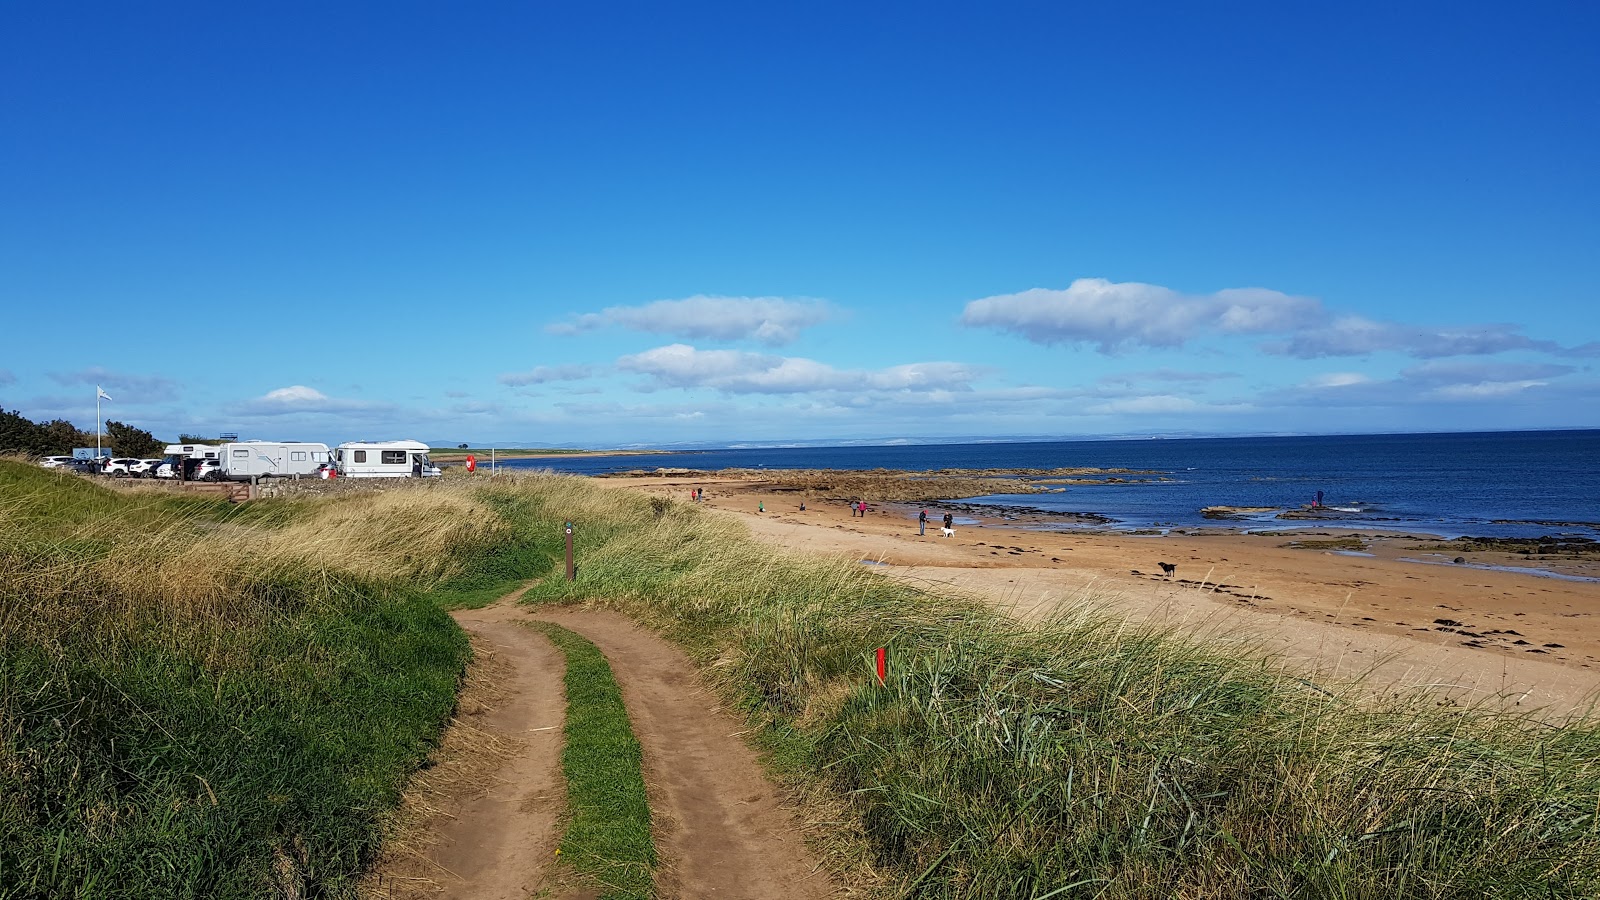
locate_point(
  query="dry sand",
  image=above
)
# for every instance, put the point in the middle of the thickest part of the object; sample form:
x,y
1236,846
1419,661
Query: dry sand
x,y
1478,634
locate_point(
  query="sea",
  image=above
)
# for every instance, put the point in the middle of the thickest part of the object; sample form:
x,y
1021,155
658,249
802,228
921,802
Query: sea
x,y
1490,484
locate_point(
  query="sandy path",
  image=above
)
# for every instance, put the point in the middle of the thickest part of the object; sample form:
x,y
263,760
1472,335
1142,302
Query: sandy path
x,y
720,828
498,792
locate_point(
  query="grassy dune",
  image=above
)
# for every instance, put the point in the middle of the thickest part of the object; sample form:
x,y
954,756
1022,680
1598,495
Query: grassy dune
x,y
202,700
1086,758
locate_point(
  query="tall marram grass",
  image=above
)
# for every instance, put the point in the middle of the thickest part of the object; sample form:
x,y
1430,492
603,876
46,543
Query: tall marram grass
x,y
199,700
1084,757
202,700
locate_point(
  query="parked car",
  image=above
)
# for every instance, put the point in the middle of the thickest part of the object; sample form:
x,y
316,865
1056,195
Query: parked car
x,y
208,470
145,468
120,467
82,466
55,462
164,470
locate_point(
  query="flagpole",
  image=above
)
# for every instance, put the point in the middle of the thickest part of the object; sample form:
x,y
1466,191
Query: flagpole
x,y
97,420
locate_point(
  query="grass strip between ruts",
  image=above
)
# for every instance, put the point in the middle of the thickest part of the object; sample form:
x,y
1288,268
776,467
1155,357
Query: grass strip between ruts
x,y
608,835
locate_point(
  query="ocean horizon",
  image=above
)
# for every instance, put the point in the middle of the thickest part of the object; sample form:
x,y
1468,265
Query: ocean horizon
x,y
1492,484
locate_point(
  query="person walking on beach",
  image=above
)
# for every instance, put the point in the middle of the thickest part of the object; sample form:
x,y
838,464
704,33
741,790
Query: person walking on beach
x,y
922,522
949,524
761,506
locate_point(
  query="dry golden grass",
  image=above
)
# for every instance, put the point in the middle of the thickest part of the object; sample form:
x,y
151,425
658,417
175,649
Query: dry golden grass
x,y
107,561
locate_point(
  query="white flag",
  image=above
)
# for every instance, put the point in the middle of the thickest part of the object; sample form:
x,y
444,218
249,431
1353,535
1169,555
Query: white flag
x,y
101,393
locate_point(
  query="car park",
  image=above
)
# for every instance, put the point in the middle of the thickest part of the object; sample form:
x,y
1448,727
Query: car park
x,y
55,462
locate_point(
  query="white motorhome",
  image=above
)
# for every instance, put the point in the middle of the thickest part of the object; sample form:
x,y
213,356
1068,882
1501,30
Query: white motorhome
x,y
184,458
247,460
192,451
383,459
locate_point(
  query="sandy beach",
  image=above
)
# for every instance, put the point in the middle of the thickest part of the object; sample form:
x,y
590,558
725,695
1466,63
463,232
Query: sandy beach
x,y
1400,612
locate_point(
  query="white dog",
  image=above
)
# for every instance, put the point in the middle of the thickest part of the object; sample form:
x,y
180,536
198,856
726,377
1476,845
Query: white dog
x,y
947,532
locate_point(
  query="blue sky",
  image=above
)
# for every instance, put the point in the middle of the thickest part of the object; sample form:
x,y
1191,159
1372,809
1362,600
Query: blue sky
x,y
615,224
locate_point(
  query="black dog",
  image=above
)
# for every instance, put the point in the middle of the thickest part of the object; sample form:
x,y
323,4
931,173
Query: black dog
x,y
1168,568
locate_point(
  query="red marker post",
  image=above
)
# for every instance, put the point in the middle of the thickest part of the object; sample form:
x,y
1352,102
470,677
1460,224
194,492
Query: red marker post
x,y
883,664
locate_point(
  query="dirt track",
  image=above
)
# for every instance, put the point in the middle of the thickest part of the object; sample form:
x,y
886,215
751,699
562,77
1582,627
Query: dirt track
x,y
493,803
720,828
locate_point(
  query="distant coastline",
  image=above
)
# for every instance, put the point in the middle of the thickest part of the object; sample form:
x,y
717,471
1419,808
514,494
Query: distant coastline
x,y
458,454
1490,484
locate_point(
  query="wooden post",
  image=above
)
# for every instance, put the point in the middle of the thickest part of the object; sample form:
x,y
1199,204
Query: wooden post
x,y
572,571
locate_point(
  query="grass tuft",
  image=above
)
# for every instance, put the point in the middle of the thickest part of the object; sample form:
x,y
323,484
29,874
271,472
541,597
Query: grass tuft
x,y
608,836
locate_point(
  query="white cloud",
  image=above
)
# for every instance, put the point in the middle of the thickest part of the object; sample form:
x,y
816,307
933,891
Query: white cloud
x,y
1357,336
773,321
740,372
1431,383
296,395
1486,389
1337,380
1462,372
297,398
544,374
1116,315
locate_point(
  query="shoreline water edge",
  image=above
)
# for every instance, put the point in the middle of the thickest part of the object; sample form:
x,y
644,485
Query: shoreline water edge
x,y
1515,485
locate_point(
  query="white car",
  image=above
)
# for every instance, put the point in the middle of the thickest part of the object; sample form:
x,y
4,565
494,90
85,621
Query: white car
x,y
163,470
208,470
121,467
145,468
55,462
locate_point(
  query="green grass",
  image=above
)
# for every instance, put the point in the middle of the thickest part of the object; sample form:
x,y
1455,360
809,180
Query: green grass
x,y
1084,757
608,833
199,700
204,700
497,567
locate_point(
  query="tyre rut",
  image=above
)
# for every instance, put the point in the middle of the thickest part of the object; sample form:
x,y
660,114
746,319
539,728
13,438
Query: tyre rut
x,y
721,828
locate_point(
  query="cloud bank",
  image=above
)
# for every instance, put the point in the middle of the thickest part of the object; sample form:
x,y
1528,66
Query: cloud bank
x,y
1114,316
740,372
773,321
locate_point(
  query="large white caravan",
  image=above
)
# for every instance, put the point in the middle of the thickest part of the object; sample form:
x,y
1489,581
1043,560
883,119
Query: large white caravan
x,y
383,459
247,460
